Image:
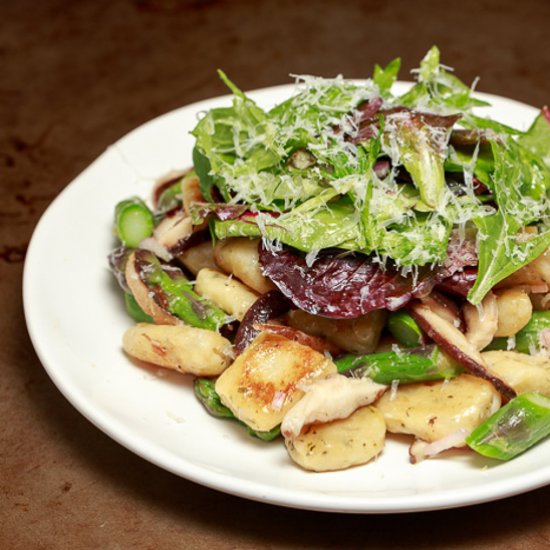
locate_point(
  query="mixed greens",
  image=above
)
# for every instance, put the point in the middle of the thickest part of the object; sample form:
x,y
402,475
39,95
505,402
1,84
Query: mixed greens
x,y
351,166
388,235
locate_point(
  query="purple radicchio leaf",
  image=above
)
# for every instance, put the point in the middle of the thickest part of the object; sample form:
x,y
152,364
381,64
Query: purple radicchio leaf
x,y
341,286
459,283
268,306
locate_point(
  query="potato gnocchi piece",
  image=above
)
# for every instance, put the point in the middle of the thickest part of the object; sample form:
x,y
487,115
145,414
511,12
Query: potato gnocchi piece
x,y
240,257
264,381
523,372
433,410
183,348
360,335
339,444
228,293
198,257
514,311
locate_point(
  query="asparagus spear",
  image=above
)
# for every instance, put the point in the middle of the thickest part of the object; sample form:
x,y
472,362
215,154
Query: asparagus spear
x,y
404,329
133,222
419,365
527,340
206,392
169,198
520,424
134,311
175,293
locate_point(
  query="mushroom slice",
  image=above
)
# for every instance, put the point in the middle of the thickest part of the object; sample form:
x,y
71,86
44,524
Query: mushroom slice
x,y
191,192
162,183
142,293
328,399
454,343
481,322
444,307
173,231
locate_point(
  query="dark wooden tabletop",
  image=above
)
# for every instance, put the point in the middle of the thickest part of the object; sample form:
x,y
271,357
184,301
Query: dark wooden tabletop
x,y
75,77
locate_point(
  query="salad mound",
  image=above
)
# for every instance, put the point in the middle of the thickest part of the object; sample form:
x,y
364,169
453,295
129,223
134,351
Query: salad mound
x,y
352,263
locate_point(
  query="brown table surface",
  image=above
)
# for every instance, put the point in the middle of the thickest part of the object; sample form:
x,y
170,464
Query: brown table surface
x,y
75,77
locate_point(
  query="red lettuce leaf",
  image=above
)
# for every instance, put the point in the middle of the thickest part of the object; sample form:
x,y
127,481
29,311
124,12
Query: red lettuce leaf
x,y
341,285
459,283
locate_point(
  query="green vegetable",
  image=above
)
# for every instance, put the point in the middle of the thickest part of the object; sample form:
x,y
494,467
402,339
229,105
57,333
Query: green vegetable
x,y
420,151
385,77
202,168
527,340
537,138
329,225
270,435
481,157
238,143
134,311
205,390
404,329
177,294
439,89
514,428
519,186
133,222
418,365
310,161
170,198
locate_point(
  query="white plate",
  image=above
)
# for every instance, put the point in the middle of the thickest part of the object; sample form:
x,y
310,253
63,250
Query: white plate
x,y
76,318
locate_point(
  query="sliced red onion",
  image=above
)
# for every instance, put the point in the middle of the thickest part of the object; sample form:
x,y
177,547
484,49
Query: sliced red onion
x,y
420,450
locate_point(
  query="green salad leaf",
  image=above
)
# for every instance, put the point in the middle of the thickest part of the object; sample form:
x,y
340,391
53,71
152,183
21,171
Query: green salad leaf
x,y
537,138
519,183
438,89
385,77
349,165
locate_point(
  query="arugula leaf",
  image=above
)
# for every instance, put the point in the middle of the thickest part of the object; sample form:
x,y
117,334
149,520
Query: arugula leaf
x,y
438,89
471,121
206,180
385,77
237,141
520,185
462,158
325,221
420,241
418,141
537,138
